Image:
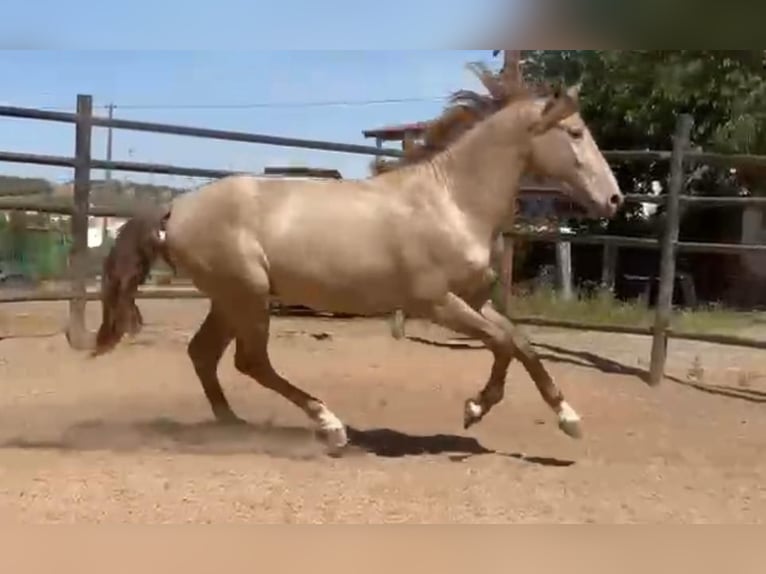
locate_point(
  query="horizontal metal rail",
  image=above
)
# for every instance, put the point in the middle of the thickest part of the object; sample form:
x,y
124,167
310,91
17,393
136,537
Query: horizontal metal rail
x,y
723,160
635,242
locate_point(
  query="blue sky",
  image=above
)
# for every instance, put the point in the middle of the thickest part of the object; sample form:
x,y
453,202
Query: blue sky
x,y
275,56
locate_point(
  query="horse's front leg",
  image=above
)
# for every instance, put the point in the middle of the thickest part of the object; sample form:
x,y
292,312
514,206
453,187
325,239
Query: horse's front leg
x,y
504,341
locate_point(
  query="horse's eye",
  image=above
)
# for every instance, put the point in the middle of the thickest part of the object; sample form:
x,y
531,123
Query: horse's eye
x,y
576,133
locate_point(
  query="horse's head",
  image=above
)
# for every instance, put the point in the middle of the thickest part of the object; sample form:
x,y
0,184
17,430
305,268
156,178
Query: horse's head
x,y
563,149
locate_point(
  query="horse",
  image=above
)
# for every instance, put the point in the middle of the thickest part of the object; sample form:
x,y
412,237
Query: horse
x,y
416,238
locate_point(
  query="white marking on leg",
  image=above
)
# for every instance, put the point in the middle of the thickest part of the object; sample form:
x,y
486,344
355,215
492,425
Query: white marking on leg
x,y
473,409
567,413
569,420
472,413
332,427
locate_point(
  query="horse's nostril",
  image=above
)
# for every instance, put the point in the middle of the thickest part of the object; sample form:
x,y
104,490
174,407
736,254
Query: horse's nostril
x,y
616,199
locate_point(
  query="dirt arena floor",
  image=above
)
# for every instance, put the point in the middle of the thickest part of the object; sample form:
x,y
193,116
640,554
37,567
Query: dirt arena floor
x,y
128,438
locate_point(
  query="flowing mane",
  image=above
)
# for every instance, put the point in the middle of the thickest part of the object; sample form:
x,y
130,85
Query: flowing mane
x,y
465,109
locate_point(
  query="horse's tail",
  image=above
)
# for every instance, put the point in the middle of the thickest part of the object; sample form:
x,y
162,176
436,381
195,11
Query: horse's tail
x,y
138,245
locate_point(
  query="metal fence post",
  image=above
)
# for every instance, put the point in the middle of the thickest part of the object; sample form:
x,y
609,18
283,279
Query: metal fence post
x,y
609,267
668,254
398,325
564,270
77,333
506,271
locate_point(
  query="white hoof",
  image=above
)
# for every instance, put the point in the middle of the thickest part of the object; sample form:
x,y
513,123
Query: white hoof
x,y
472,413
569,420
331,429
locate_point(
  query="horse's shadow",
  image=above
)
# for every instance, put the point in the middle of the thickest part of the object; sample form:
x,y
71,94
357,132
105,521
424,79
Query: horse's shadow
x,y
259,438
587,359
605,365
394,444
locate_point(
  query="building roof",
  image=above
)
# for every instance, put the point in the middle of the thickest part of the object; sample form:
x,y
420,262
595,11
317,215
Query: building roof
x,y
304,172
396,132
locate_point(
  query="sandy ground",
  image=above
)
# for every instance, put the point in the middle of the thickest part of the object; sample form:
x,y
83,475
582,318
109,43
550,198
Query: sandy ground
x,y
128,438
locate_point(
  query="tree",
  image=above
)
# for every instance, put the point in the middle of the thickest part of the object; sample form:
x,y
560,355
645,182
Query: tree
x,y
632,98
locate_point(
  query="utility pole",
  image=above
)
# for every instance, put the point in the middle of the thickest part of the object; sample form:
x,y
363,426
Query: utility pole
x,y
109,131
108,171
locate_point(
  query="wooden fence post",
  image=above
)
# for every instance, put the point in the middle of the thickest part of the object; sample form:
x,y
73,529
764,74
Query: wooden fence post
x,y
668,254
77,333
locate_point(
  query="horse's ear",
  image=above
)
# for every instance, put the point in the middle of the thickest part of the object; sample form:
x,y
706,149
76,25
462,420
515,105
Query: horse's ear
x,y
559,107
573,93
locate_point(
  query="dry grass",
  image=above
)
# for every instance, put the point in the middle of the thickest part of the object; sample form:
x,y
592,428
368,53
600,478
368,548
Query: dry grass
x,y
602,308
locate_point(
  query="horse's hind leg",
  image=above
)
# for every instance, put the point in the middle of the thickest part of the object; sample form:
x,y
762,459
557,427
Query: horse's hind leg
x,y
241,293
205,351
252,358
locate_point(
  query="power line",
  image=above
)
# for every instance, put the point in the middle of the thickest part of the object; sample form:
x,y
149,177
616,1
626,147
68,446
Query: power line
x,y
309,104
264,105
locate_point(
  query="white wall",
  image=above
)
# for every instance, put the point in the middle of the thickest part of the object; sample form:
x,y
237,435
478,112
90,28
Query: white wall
x,y
96,226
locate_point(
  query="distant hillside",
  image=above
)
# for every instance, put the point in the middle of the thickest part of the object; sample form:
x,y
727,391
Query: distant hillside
x,y
116,191
102,191
10,185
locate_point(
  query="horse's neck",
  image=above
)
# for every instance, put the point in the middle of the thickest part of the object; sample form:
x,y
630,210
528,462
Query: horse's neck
x,y
483,178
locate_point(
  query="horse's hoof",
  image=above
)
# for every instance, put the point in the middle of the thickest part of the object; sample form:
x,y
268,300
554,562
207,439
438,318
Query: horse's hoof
x,y
337,451
571,428
472,414
230,420
335,439
569,421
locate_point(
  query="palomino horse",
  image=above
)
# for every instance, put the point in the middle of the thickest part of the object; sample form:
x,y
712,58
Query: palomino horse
x,y
417,238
